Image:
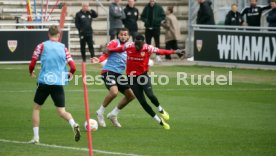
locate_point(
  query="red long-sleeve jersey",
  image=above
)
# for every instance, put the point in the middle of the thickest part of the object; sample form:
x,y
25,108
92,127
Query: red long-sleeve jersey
x,y
112,44
137,61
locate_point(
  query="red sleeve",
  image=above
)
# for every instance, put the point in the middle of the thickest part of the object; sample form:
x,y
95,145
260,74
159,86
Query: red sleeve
x,y
153,49
103,57
36,54
126,47
70,61
113,46
72,67
118,49
68,55
165,52
38,51
32,65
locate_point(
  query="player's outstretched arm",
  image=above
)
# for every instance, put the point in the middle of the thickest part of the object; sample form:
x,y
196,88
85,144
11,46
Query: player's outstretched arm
x,y
100,59
72,67
70,61
180,51
94,60
119,49
36,54
113,47
32,67
167,52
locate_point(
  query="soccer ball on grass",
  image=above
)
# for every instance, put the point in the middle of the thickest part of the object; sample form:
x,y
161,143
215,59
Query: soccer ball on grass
x,y
93,125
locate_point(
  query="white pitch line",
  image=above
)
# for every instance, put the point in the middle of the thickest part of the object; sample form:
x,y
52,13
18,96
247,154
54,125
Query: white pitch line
x,y
68,148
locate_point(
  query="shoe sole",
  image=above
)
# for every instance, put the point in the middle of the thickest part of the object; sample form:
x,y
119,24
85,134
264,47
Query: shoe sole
x,y
77,133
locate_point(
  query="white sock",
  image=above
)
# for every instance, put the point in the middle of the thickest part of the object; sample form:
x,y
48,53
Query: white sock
x,y
160,108
156,117
72,122
101,110
115,111
36,132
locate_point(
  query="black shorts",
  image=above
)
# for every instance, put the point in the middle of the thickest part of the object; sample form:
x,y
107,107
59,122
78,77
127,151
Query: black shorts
x,y
114,79
56,92
142,80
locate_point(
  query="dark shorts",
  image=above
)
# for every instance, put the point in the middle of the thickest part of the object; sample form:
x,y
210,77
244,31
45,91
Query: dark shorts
x,y
56,92
114,79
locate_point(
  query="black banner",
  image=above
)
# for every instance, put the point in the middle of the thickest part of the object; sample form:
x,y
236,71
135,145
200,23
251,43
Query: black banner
x,y
235,47
18,45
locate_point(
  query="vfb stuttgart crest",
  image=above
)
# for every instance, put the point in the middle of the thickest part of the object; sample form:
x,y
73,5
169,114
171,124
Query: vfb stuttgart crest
x,y
12,44
199,44
143,54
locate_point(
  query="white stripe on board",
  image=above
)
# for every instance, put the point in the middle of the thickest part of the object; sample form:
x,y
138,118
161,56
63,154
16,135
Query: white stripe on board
x,y
68,148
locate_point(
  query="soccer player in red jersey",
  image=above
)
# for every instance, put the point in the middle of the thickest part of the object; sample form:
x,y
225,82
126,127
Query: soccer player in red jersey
x,y
138,54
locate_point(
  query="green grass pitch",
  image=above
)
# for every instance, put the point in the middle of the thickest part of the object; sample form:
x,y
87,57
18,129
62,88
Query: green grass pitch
x,y
238,120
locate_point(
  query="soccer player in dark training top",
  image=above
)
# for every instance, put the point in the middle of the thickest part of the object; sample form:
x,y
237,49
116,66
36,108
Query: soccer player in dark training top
x,y
253,13
83,22
138,54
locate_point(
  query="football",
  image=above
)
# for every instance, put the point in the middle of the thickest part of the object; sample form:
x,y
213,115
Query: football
x,y
93,125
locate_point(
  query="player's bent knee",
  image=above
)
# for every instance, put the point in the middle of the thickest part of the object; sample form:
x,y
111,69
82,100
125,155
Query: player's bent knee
x,y
129,95
131,98
113,93
36,106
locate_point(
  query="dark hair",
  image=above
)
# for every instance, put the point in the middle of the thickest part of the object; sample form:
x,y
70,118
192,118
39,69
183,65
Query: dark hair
x,y
170,8
273,1
122,29
139,42
140,37
54,30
